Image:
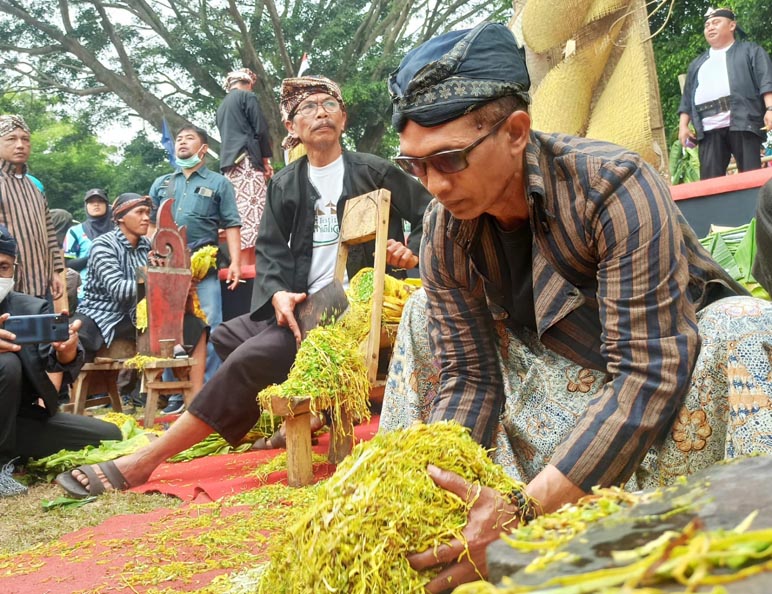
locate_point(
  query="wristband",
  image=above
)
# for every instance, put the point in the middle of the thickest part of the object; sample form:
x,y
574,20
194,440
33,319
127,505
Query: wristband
x,y
525,509
769,108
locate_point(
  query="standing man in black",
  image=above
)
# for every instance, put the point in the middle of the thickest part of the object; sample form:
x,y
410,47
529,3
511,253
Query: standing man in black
x,y
245,154
727,98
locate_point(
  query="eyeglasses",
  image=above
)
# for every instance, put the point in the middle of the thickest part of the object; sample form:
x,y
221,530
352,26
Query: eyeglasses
x,y
309,108
451,161
7,270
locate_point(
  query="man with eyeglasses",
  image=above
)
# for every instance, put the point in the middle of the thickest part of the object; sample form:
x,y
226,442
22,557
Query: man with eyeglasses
x,y
30,377
296,254
569,318
25,212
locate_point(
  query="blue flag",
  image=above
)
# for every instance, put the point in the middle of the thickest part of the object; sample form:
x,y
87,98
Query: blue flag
x,y
168,143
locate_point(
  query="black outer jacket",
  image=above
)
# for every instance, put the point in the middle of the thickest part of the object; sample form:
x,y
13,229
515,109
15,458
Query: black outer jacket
x,y
285,240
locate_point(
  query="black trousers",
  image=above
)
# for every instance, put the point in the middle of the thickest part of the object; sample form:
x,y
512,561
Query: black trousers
x,y
718,146
255,355
26,430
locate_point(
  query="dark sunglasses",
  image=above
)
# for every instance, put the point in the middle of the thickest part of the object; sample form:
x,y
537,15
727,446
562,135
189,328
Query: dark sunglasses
x,y
451,161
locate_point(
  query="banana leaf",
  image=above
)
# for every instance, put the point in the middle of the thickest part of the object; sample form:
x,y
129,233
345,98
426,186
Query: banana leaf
x,y
721,253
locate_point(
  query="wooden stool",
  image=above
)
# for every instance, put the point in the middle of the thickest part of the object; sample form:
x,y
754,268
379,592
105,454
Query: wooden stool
x,y
100,377
297,424
95,378
154,386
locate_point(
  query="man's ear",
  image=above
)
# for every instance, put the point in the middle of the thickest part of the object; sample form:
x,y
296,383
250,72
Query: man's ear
x,y
518,128
290,126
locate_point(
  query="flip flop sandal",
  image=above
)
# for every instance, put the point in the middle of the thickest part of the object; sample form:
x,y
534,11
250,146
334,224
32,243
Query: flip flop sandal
x,y
95,486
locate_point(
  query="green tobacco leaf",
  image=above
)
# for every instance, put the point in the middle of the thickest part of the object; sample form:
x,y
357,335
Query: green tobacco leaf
x,y
67,502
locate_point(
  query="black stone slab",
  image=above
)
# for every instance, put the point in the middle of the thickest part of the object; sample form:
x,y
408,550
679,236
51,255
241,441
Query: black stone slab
x,y
721,497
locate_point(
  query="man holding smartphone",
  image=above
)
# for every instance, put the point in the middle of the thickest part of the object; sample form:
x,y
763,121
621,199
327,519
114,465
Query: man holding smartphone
x,y
30,378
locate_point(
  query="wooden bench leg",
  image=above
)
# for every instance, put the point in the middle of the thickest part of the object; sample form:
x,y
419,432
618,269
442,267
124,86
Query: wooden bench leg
x,y
299,468
150,376
341,442
112,391
80,392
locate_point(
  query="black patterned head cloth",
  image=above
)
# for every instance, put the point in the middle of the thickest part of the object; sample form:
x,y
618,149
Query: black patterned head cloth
x,y
456,73
9,123
296,90
7,242
240,75
129,201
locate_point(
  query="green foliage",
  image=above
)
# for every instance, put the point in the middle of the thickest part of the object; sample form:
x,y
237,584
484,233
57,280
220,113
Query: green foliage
x,y
684,164
143,161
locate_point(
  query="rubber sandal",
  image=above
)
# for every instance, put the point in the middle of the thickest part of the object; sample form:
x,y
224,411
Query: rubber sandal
x,y
95,486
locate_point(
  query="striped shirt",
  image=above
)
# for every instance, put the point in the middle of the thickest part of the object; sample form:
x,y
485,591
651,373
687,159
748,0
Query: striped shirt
x,y
617,277
111,290
24,210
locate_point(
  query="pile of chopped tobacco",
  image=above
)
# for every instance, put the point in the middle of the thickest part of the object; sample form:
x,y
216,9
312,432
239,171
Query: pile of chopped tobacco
x,y
330,370
379,506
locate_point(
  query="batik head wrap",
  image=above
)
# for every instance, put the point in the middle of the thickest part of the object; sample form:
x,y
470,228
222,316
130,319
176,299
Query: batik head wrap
x,y
9,123
129,201
719,12
455,73
243,75
296,90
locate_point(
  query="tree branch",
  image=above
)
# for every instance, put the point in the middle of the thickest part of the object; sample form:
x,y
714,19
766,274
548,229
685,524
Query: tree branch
x,y
123,56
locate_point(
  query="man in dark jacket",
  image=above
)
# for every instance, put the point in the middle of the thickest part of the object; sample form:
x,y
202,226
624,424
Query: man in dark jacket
x,y
296,254
245,154
30,377
727,98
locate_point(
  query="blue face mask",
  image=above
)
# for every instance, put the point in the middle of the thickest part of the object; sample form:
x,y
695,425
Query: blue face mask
x,y
190,162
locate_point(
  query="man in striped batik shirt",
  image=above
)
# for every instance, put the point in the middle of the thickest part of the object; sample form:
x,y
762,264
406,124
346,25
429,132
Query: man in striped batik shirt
x,y
24,210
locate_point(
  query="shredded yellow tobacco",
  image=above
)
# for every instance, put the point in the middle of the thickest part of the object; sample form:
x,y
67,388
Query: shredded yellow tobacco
x,y
379,506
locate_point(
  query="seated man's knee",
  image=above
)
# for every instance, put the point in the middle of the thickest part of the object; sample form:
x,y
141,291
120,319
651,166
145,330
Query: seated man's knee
x,y
11,371
10,363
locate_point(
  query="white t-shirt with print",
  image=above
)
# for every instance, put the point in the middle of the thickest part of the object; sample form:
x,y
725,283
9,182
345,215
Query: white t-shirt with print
x,y
328,181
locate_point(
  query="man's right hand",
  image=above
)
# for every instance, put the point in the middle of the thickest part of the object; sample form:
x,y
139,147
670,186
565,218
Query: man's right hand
x,y
284,304
686,137
6,338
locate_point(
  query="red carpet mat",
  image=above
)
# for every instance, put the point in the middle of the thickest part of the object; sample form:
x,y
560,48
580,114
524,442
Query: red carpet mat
x,y
169,551
213,477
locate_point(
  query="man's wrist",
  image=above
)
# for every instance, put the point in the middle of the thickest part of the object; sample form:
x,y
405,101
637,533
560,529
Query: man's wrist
x,y
526,507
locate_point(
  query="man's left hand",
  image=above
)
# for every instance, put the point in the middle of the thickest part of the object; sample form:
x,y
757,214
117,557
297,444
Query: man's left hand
x,y
57,287
234,275
398,255
490,515
768,120
67,351
268,169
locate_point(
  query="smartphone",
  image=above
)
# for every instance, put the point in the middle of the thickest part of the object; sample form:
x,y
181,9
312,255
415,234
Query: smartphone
x,y
39,328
